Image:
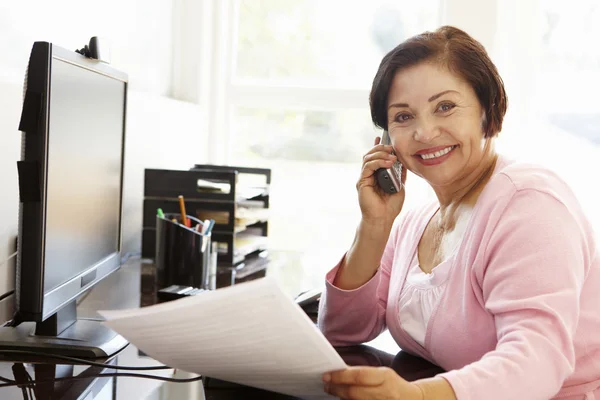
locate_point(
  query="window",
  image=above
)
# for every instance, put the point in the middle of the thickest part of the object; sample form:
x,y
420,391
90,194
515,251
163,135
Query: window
x,y
288,83
569,77
567,94
330,42
322,136
551,63
298,103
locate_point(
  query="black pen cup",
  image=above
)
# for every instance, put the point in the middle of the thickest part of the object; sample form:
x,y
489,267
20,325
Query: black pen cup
x,y
183,254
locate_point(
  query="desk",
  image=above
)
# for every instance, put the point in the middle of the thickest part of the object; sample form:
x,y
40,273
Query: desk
x,y
122,290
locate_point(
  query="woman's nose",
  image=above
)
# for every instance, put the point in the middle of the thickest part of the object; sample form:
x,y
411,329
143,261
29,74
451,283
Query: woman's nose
x,y
426,132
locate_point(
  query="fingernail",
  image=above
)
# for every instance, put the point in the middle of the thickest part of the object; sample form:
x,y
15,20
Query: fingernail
x,y
326,377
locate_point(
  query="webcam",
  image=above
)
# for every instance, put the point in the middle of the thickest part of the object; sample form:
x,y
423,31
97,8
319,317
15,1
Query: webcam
x,y
97,49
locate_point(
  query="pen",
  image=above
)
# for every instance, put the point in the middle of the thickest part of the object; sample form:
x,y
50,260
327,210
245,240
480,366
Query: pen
x,y
211,224
184,219
160,213
205,226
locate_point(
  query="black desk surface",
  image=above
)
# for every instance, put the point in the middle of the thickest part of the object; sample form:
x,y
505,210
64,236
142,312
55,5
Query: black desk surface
x,y
122,290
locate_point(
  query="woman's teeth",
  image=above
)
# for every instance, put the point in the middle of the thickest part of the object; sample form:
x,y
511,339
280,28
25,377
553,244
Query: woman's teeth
x,y
436,154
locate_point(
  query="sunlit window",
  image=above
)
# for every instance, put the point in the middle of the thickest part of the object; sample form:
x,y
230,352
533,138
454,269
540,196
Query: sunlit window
x,y
569,79
322,48
332,42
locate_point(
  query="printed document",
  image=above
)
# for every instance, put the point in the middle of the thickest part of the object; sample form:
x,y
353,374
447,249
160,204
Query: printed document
x,y
251,333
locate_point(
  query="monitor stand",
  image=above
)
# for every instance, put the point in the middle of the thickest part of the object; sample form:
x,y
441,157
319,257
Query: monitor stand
x,y
63,334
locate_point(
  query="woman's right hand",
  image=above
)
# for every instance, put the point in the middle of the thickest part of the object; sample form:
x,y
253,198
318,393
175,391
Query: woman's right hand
x,y
377,206
379,210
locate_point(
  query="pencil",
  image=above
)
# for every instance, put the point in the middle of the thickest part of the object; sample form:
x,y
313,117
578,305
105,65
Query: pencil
x,y
182,208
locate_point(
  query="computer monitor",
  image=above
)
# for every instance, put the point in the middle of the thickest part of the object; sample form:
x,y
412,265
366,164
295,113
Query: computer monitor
x,y
70,187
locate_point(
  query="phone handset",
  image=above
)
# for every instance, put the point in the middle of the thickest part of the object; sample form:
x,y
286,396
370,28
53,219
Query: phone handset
x,y
389,179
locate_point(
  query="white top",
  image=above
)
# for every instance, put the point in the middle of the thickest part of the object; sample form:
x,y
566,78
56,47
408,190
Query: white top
x,y
420,296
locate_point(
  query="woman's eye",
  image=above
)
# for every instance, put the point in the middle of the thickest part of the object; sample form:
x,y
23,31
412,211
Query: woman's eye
x,y
445,107
403,117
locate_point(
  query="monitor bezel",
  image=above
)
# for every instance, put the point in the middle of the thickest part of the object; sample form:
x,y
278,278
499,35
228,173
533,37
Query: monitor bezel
x,y
33,303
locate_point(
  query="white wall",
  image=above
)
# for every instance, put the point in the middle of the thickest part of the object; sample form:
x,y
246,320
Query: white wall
x,y
139,33
10,147
161,133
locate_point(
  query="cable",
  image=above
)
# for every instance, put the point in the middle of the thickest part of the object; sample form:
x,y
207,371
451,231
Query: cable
x,y
130,255
15,321
22,380
82,361
5,295
30,388
111,374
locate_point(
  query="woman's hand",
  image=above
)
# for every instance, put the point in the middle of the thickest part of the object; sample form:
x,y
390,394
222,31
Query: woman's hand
x,y
379,210
370,383
376,205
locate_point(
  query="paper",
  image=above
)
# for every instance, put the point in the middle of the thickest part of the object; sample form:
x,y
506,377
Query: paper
x,y
250,333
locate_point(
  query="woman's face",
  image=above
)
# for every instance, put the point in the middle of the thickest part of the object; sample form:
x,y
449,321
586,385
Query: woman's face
x,y
435,124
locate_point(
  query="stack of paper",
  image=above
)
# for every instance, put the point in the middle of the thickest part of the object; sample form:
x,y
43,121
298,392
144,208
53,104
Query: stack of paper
x,y
250,333
246,243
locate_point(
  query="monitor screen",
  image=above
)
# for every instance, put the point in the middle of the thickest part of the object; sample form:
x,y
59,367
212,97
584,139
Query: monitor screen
x,y
70,201
85,133
70,179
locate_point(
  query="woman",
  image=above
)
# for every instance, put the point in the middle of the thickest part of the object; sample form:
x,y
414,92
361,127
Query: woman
x,y
498,281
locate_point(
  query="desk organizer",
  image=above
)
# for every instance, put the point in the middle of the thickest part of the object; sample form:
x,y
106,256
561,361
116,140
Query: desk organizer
x,y
183,255
237,198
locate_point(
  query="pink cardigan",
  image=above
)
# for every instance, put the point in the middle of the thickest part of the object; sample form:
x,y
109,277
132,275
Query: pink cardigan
x,y
520,316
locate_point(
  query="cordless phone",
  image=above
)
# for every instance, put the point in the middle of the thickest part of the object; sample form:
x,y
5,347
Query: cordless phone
x,y
389,179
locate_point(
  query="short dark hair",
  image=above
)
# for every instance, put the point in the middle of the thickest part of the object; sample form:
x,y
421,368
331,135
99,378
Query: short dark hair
x,y
461,54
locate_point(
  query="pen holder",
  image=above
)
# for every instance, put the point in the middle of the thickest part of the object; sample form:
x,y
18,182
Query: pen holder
x,y
183,255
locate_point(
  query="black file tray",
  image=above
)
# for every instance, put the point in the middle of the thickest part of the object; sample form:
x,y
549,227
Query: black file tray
x,y
162,188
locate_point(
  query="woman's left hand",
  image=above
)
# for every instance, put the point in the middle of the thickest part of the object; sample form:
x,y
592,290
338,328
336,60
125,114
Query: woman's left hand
x,y
373,383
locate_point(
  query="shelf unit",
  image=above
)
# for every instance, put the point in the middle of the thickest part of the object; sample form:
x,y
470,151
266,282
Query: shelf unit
x,y
237,198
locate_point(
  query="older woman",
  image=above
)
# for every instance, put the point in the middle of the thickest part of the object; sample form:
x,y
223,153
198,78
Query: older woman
x,y
498,281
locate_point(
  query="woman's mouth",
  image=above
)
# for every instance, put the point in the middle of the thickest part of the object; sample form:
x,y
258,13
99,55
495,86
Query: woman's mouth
x,y
435,157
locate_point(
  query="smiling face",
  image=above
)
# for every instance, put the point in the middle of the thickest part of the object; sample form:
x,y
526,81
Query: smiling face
x,y
435,122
